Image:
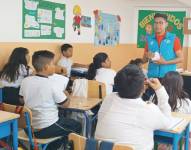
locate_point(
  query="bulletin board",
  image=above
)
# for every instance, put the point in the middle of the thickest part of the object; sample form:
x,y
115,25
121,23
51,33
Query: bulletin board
x,y
43,20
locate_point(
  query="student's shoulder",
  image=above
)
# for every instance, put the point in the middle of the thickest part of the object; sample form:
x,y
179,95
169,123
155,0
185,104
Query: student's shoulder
x,y
111,71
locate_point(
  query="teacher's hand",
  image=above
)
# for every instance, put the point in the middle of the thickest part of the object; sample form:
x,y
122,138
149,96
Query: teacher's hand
x,y
160,61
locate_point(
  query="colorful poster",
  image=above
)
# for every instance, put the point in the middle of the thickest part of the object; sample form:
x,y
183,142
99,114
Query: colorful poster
x,y
146,22
107,29
86,21
43,20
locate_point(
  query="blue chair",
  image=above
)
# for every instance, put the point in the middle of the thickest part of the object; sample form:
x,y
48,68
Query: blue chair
x,y
24,124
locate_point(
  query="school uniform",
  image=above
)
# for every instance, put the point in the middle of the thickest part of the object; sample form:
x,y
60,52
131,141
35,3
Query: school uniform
x,y
42,95
106,75
11,89
184,106
132,121
66,63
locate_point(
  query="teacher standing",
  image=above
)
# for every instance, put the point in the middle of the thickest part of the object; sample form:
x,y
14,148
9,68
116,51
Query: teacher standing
x,y
166,44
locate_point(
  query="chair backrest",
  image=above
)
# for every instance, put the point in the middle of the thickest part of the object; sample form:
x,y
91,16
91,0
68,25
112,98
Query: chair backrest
x,y
22,120
96,89
79,143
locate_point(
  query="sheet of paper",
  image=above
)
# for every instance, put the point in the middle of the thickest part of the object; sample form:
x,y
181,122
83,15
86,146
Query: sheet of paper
x,y
31,33
79,69
59,31
59,14
45,30
44,16
175,122
30,22
31,5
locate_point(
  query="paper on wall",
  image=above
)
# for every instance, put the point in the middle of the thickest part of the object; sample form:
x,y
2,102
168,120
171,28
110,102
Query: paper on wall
x,y
189,24
31,33
31,5
59,14
44,16
30,22
45,30
58,31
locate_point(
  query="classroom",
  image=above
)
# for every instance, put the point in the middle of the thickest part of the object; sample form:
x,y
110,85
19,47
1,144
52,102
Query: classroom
x,y
95,75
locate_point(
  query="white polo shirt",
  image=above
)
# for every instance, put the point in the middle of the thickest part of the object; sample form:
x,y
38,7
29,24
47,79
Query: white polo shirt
x,y
132,121
60,80
23,72
66,63
42,95
106,75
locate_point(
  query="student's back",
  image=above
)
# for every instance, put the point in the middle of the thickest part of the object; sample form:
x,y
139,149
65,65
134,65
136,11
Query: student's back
x,y
125,118
178,99
100,70
12,74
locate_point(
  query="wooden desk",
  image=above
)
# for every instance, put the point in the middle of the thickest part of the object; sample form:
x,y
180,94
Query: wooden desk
x,y
9,126
82,105
174,135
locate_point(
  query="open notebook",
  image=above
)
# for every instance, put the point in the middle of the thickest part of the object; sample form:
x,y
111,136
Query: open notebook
x,y
177,123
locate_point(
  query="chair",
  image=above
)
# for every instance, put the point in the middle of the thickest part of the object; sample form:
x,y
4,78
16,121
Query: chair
x,y
24,122
79,143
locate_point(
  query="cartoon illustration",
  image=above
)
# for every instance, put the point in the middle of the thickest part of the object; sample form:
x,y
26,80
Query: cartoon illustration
x,y
77,18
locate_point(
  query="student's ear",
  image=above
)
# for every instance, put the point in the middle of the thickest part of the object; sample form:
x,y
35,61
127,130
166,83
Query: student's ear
x,y
103,64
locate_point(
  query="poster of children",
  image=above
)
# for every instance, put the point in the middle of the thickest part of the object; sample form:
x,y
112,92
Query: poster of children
x,y
107,29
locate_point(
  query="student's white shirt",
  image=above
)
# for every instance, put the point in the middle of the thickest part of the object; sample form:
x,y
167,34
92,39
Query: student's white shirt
x,y
22,74
184,106
60,80
66,63
106,75
42,95
132,121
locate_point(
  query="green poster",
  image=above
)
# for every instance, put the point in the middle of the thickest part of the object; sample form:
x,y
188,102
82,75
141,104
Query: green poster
x,y
43,20
146,21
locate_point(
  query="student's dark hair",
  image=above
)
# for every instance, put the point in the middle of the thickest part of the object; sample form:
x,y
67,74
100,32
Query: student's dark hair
x,y
173,83
10,71
98,59
157,15
41,58
137,61
65,47
129,82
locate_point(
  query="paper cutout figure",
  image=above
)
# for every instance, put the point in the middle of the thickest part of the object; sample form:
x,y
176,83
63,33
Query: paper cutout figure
x,y
59,14
32,33
31,5
30,22
77,18
44,16
45,30
59,31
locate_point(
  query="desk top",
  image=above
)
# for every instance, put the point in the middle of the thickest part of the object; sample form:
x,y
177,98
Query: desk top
x,y
186,73
82,103
6,116
186,118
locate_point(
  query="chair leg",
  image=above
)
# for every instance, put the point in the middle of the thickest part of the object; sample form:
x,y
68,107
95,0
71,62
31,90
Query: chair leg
x,y
181,143
44,146
155,146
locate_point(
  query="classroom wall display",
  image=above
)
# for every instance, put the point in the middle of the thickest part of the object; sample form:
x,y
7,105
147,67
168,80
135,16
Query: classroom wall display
x,y
146,21
187,26
107,29
43,20
86,21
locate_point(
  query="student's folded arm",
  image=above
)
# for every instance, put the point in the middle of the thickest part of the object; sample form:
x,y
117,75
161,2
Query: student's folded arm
x,y
76,65
163,101
65,103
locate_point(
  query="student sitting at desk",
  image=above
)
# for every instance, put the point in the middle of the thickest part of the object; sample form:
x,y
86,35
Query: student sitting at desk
x,y
100,70
42,95
125,118
12,74
66,61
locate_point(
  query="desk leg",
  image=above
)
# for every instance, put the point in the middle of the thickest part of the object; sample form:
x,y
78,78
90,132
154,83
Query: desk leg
x,y
187,136
15,134
88,125
175,143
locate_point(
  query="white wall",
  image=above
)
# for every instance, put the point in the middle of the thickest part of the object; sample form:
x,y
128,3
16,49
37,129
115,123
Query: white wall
x,y
11,18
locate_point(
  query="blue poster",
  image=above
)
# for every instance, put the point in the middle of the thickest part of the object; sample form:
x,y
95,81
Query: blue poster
x,y
107,29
